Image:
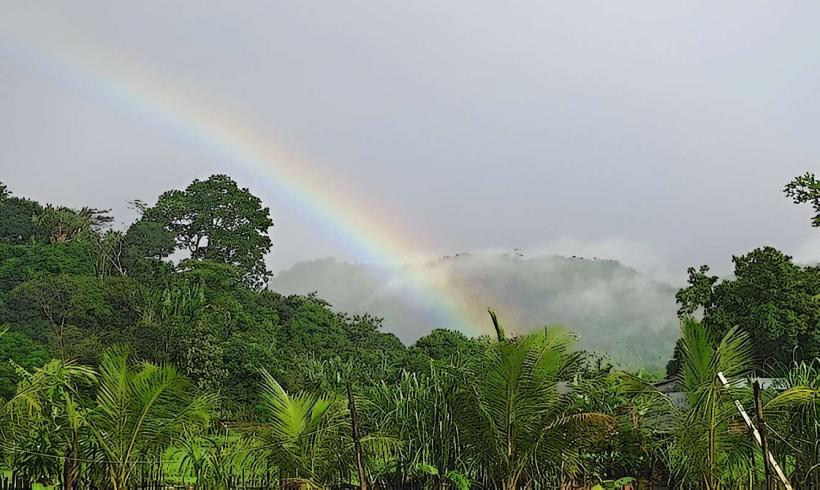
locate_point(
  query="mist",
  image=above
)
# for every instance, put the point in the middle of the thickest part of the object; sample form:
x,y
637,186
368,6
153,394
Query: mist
x,y
611,307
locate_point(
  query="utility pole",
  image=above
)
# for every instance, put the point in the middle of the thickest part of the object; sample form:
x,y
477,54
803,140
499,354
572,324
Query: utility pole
x,y
357,443
767,456
761,428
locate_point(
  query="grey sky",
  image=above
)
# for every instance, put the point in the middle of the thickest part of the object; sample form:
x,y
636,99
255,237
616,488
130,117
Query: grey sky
x,y
669,128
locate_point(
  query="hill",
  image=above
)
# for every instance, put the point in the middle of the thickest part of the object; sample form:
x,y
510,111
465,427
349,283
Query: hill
x,y
613,308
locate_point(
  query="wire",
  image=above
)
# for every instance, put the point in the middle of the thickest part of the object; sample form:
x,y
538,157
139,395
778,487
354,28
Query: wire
x,y
782,438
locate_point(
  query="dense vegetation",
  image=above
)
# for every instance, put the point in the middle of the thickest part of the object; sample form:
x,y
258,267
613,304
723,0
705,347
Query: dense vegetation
x,y
125,365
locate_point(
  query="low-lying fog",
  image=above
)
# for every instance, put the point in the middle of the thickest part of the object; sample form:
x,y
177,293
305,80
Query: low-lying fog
x,y
613,308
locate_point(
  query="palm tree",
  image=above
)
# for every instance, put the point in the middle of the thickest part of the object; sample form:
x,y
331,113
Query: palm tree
x,y
141,409
793,418
304,437
518,425
712,445
216,459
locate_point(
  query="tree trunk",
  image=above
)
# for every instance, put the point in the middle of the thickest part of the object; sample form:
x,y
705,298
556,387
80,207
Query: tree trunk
x,y
761,429
357,443
71,470
511,483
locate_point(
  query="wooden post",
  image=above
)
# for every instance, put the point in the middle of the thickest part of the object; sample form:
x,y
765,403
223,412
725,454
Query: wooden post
x,y
767,455
761,428
357,443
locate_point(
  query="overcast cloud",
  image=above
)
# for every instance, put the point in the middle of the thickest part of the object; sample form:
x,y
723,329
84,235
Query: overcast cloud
x,y
659,130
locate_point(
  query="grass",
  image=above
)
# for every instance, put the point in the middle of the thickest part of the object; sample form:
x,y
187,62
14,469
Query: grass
x,y
35,486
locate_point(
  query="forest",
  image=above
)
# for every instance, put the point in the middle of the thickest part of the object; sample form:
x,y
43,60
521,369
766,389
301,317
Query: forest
x,y
155,354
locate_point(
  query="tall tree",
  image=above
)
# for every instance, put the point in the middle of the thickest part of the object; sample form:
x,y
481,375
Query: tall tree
x,y
17,218
76,308
215,219
64,224
18,350
805,189
770,297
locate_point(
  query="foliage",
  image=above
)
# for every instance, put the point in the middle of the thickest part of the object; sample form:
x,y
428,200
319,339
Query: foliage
x,y
516,421
805,189
304,433
215,458
19,350
140,409
791,409
63,224
117,358
417,412
710,441
444,346
43,419
17,224
630,445
774,300
614,484
215,219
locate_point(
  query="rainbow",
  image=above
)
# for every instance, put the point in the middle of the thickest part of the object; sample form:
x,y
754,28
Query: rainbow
x,y
199,121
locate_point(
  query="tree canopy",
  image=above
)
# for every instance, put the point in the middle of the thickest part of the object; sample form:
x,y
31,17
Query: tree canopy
x,y
154,352
805,189
215,219
770,297
17,215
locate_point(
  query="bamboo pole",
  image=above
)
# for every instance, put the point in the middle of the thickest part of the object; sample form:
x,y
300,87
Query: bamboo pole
x,y
767,455
761,428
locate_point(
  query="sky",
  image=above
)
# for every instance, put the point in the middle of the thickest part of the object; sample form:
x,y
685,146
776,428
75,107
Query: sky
x,y
660,133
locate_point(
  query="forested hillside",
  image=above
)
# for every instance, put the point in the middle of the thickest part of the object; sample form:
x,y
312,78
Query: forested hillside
x,y
70,287
615,310
121,364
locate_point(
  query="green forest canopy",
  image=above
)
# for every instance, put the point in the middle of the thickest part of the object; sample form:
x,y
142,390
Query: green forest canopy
x,y
92,313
